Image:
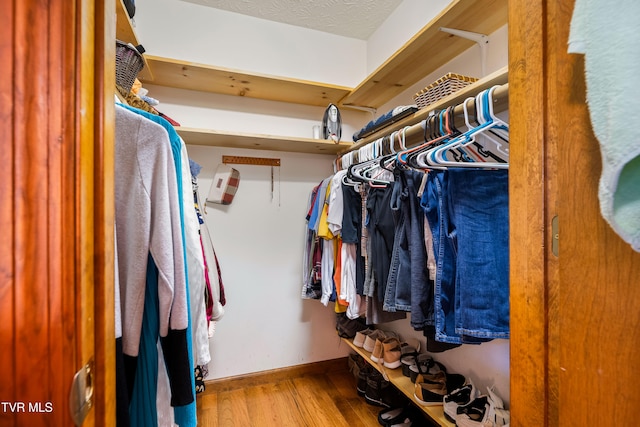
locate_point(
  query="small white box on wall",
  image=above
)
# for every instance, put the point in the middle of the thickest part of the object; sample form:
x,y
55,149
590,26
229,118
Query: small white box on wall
x,y
224,186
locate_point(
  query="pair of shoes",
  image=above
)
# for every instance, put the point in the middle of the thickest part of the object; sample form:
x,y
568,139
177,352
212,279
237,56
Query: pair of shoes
x,y
425,365
363,374
430,390
483,411
347,328
391,353
199,379
395,416
391,416
402,416
356,364
386,350
361,336
372,338
459,397
380,392
409,356
376,388
411,346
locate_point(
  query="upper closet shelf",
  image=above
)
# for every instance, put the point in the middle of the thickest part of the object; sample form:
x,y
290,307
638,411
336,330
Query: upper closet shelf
x,y
215,138
126,33
428,50
189,75
124,26
497,78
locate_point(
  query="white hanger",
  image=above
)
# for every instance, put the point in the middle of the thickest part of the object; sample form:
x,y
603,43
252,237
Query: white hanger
x,y
484,104
423,159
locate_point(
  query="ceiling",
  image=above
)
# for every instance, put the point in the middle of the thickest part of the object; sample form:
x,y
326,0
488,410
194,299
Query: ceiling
x,y
350,18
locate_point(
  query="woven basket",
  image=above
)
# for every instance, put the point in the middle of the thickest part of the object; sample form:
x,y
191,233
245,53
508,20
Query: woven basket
x,y
129,62
445,85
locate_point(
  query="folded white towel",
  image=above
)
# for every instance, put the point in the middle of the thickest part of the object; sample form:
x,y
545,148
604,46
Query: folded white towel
x,y
608,34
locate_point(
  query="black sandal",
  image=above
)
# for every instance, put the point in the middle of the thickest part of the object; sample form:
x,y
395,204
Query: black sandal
x,y
199,379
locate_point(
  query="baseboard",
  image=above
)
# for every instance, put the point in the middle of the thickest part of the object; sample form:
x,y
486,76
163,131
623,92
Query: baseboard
x,y
257,378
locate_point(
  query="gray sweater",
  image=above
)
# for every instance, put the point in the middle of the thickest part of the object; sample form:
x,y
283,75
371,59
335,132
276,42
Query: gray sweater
x,y
147,222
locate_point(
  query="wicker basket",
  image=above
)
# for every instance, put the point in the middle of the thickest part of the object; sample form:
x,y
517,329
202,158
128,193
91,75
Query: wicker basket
x,y
445,85
129,62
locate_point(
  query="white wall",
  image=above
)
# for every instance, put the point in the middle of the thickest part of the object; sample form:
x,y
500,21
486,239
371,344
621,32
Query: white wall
x,y
242,114
467,63
196,33
405,21
259,240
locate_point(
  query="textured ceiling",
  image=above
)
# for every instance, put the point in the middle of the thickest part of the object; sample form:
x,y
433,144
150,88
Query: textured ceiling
x,y
351,18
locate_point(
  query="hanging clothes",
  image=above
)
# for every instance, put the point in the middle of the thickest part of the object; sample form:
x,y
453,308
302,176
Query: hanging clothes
x,y
431,239
147,182
311,282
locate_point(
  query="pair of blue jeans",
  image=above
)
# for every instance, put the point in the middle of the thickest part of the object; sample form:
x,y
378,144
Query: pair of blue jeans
x,y
479,215
408,285
467,211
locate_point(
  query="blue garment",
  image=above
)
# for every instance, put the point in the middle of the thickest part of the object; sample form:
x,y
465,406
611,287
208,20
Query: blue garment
x,y
318,205
397,295
420,285
408,287
142,408
435,206
437,203
479,215
185,415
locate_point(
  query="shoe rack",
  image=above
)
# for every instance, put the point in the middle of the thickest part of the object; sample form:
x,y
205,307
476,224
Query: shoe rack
x,y
404,384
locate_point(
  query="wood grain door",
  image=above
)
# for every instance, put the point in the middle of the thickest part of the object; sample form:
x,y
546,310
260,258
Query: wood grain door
x,y
576,316
56,208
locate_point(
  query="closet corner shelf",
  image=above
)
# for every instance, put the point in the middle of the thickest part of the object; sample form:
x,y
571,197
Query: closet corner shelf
x,y
426,51
404,384
498,77
126,33
207,78
215,138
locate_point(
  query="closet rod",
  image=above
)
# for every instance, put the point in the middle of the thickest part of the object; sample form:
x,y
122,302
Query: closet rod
x,y
414,134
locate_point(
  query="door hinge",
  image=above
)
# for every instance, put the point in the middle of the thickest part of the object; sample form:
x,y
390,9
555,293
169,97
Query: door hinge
x,y
554,236
81,394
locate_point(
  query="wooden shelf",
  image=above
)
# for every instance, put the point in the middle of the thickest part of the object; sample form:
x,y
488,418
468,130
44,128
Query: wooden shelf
x,y
124,27
420,56
404,384
207,78
126,33
428,50
215,138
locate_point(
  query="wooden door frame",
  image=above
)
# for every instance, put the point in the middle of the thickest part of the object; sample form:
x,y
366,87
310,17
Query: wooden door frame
x,y
104,209
532,205
56,208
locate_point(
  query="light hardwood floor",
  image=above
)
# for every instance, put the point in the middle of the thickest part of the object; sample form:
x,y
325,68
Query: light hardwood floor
x,y
320,394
